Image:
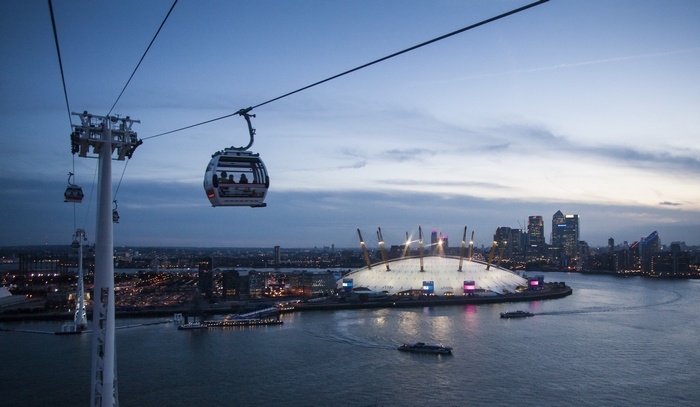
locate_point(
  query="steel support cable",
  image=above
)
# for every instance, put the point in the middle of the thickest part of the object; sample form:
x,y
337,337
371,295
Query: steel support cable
x,y
65,91
92,188
442,37
120,180
142,56
60,63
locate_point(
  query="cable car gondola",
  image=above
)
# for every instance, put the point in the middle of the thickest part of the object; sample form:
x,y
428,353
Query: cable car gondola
x,y
73,192
237,177
115,214
75,247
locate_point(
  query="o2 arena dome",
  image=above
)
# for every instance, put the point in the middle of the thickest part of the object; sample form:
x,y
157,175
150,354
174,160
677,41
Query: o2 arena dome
x,y
440,276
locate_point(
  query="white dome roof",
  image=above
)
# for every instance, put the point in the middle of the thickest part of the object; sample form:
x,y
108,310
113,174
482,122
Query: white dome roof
x,y
405,275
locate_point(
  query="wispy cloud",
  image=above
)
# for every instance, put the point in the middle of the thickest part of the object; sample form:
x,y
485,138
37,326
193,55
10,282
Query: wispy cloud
x,y
571,65
411,154
356,165
405,182
638,158
669,203
535,137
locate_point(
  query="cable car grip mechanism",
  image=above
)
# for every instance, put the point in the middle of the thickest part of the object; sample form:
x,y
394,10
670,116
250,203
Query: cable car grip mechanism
x,y
251,130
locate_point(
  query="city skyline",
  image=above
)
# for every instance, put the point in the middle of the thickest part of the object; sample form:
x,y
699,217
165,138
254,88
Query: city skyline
x,y
588,108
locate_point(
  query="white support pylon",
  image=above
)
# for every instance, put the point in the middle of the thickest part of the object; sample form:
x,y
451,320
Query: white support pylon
x,y
80,318
105,135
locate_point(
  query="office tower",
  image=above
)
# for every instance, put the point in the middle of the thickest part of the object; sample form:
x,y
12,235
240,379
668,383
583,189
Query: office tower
x,y
517,242
611,245
647,247
277,256
230,284
503,242
206,279
535,231
558,225
570,236
433,240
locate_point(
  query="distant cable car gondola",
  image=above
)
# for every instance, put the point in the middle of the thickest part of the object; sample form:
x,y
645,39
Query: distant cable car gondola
x,y
237,177
75,247
115,214
73,192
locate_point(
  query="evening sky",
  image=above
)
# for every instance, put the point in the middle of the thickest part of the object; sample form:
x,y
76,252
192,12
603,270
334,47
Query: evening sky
x,y
588,107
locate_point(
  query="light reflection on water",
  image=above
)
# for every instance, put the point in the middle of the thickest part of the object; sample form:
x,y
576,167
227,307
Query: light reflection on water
x,y
613,342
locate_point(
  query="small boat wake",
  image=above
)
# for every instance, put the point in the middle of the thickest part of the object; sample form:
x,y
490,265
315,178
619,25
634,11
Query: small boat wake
x,y
343,333
592,310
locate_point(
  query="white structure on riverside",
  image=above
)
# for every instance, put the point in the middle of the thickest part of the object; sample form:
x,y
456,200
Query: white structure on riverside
x,y
406,275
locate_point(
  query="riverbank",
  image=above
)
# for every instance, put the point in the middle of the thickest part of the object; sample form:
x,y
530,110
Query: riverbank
x,y
551,291
554,292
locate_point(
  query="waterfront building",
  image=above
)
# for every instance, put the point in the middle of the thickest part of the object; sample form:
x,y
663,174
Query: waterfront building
x,y
206,279
257,282
641,252
277,256
46,263
674,263
323,284
230,283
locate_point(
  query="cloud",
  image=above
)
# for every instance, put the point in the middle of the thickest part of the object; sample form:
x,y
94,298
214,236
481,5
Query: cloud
x,y
668,203
566,65
411,154
656,160
441,183
167,214
352,152
493,147
358,164
520,136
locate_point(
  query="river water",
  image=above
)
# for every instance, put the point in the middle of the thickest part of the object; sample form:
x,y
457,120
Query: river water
x,y
614,342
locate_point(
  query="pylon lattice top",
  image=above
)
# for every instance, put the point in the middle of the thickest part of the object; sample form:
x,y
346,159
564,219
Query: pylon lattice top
x,y
89,134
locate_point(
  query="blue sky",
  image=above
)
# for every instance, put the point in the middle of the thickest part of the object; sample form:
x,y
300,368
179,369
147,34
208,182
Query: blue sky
x,y
585,107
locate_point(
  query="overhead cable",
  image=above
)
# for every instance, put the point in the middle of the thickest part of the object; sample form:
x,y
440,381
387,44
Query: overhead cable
x,y
142,57
60,63
442,37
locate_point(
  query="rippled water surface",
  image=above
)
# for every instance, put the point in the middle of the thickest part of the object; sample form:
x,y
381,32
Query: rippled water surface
x,y
615,341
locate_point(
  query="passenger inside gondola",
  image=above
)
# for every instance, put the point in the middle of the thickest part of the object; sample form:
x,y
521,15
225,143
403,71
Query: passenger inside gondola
x,y
244,179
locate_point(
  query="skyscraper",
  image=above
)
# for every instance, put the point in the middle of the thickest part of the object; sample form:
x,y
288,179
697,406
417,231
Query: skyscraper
x,y
646,249
570,236
558,221
503,242
565,235
535,231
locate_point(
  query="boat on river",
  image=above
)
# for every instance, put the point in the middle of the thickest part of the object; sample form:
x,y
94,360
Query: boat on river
x,y
192,325
420,347
516,314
